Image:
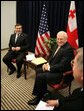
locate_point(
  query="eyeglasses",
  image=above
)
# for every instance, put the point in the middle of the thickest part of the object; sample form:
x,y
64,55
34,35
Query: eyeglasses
x,y
72,63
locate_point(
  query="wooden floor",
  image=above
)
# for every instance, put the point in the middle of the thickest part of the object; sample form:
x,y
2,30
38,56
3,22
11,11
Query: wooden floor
x,y
15,93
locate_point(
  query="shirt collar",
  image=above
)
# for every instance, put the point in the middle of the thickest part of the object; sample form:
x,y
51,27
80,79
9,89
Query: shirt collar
x,y
81,89
18,34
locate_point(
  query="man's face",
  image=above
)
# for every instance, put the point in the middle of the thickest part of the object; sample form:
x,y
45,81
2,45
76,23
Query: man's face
x,y
61,39
18,29
77,73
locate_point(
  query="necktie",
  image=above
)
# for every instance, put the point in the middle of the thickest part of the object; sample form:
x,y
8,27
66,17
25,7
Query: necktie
x,y
16,37
56,51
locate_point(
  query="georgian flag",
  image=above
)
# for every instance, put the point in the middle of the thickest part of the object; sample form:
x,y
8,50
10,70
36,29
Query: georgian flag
x,y
72,26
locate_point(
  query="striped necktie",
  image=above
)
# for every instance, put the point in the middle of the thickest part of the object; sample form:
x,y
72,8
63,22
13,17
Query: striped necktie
x,y
56,51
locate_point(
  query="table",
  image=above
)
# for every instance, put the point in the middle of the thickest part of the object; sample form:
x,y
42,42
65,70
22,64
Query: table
x,y
31,64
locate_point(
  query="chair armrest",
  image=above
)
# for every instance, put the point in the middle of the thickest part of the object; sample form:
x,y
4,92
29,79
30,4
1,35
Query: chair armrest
x,y
64,75
67,73
26,52
63,79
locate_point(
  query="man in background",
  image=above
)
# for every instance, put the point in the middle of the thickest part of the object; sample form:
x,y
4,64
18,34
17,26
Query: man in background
x,y
52,72
18,44
75,100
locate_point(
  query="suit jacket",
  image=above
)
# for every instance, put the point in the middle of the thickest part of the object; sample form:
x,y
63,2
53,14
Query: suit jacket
x,y
22,41
61,61
73,102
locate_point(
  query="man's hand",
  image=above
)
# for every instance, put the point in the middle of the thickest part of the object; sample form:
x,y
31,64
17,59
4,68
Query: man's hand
x,y
17,48
52,103
13,48
45,67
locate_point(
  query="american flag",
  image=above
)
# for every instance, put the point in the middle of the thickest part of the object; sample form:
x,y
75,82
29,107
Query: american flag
x,y
43,34
72,26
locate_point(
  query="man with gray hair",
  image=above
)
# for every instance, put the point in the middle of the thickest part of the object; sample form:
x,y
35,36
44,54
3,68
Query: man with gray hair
x,y
52,72
74,101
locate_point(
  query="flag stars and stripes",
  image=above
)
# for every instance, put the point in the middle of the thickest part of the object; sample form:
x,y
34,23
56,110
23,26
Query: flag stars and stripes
x,y
43,34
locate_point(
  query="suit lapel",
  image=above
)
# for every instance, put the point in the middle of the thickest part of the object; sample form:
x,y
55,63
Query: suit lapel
x,y
77,93
58,52
19,38
14,37
54,51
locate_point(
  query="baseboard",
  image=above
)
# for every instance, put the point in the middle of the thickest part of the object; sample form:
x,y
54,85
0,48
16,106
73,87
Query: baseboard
x,y
4,49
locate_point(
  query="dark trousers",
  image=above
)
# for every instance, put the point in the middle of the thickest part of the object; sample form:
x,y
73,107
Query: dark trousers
x,y
11,55
42,79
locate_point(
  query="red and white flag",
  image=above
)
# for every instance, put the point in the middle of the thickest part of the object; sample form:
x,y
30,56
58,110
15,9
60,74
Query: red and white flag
x,y
43,34
72,26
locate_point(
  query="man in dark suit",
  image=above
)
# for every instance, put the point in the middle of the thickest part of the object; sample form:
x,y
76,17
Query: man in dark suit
x,y
18,44
52,71
75,100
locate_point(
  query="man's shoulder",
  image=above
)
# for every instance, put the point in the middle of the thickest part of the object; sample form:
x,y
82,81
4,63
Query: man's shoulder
x,y
12,35
68,49
77,89
68,46
24,34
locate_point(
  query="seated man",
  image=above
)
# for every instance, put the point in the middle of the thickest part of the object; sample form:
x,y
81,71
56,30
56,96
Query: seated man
x,y
52,72
18,45
74,101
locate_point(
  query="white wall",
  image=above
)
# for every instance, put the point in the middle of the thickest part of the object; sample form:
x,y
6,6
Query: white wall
x,y
8,21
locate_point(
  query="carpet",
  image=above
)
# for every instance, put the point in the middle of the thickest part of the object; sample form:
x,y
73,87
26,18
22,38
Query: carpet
x,y
15,93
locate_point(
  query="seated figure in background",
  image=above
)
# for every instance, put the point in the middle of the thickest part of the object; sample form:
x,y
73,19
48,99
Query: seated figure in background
x,y
52,72
18,44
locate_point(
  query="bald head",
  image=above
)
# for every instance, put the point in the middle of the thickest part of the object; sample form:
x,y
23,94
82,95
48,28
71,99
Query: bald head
x,y
62,33
78,67
61,38
80,58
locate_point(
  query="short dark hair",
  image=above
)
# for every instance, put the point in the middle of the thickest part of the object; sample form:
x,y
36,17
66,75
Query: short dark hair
x,y
18,25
